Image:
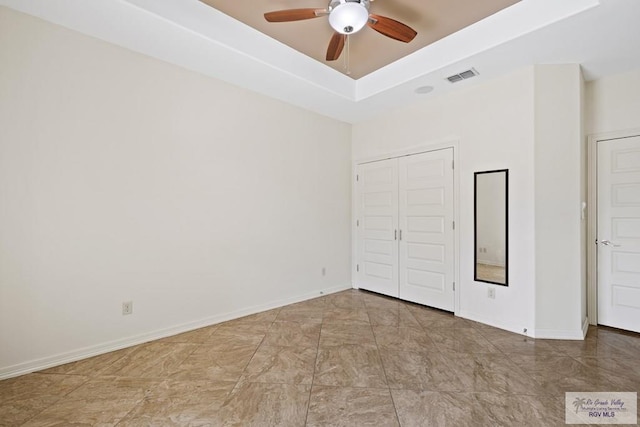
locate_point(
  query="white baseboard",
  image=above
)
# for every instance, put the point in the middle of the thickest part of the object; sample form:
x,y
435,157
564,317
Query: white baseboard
x,y
559,334
585,327
554,334
95,350
564,334
495,323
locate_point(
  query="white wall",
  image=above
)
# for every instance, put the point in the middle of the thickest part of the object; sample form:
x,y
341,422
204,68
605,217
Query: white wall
x,y
126,178
559,152
493,124
613,103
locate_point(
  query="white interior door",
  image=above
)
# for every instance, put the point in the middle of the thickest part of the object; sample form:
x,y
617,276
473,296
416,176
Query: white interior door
x,y
619,233
426,236
377,216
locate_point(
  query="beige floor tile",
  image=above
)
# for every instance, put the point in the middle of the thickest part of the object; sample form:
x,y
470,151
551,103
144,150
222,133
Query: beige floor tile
x,y
429,408
151,360
343,314
579,348
350,358
236,327
24,397
293,334
519,410
617,336
262,405
491,373
314,303
208,362
548,364
349,366
230,338
431,318
611,373
519,344
197,336
609,346
179,403
338,333
399,317
595,348
346,407
617,344
419,371
301,314
377,301
92,366
461,340
345,299
101,401
555,374
424,408
630,368
407,339
281,365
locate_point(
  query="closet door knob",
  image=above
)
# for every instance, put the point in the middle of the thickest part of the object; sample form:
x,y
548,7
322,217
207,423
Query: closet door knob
x,y
602,242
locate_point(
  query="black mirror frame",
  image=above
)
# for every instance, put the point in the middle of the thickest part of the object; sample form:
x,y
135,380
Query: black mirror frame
x,y
475,227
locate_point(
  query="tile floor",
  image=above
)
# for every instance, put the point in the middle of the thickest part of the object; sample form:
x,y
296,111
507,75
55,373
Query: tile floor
x,y
347,359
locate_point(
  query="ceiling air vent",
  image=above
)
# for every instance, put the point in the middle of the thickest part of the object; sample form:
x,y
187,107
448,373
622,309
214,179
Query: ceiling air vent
x,y
462,76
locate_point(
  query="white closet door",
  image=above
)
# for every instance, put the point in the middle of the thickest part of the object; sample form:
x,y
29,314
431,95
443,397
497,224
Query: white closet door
x,y
426,224
377,198
619,233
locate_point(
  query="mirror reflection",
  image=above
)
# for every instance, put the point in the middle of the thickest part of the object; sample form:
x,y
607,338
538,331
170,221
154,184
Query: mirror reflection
x,y
490,220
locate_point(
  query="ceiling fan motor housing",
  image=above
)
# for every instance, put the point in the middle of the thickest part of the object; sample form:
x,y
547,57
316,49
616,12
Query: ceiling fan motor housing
x,y
348,16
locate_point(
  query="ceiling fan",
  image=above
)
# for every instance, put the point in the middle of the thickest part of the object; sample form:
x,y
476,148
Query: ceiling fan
x,y
346,17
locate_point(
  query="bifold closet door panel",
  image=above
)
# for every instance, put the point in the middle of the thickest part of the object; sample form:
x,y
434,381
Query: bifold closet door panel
x,y
426,243
377,228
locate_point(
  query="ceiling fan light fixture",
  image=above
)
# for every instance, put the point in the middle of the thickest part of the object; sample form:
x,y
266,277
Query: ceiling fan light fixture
x,y
348,17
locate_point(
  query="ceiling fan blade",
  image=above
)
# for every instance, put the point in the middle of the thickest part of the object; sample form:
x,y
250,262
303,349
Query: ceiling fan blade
x,y
336,44
391,28
293,15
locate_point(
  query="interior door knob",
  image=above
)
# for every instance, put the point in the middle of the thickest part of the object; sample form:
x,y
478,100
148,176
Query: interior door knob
x,y
609,243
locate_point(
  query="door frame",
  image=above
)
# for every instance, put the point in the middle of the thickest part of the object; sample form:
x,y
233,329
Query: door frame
x,y
592,215
416,149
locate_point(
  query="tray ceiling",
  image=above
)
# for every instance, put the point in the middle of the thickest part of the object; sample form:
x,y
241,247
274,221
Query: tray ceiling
x,y
368,50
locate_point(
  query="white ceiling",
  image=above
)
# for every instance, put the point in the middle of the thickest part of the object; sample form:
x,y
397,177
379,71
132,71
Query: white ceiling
x,y
602,35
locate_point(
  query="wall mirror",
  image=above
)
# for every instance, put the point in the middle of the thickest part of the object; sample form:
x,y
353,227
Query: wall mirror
x,y
491,226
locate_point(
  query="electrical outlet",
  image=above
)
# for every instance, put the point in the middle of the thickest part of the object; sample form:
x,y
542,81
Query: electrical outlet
x,y
324,271
127,308
491,293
